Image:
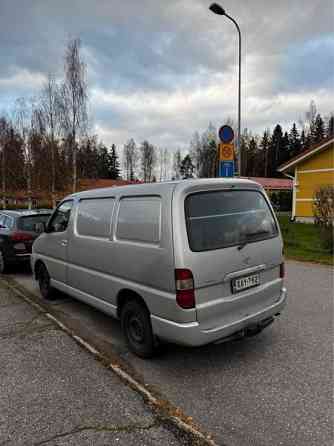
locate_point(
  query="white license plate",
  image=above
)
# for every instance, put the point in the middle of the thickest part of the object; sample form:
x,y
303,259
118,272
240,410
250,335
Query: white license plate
x,y
242,283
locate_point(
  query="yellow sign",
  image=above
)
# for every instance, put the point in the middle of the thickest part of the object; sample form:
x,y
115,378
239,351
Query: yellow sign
x,y
226,152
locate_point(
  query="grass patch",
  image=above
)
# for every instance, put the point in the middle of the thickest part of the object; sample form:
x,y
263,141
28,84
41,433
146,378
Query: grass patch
x,y
302,241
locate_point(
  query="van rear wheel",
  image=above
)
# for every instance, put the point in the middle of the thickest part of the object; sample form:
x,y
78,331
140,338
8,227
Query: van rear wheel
x,y
137,329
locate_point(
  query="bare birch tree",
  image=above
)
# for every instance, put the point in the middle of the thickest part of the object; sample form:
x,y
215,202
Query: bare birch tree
x,y
177,158
23,120
164,159
50,108
161,163
3,143
74,99
148,161
130,159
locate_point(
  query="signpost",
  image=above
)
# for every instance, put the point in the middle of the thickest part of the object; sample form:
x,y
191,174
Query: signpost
x,y
226,151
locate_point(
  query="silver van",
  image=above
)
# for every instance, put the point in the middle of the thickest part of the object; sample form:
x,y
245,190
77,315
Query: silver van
x,y
191,262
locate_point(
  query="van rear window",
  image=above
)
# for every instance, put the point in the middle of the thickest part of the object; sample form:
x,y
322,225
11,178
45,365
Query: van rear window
x,y
226,218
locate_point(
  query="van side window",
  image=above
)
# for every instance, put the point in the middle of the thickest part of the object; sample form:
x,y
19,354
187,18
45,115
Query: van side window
x,y
61,217
139,219
94,217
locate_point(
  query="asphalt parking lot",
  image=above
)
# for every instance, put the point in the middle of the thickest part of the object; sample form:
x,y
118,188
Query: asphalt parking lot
x,y
275,388
53,392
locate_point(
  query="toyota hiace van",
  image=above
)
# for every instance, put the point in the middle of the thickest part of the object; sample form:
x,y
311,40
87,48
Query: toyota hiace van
x,y
191,262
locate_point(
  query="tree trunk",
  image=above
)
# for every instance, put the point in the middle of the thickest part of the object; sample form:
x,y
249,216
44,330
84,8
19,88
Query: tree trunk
x,y
29,185
74,186
53,175
74,163
3,178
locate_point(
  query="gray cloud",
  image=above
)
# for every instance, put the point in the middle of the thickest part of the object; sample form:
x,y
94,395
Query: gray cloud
x,y
162,70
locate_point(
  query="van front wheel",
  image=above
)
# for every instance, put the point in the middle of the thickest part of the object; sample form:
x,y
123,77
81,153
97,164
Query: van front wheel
x,y
45,288
137,329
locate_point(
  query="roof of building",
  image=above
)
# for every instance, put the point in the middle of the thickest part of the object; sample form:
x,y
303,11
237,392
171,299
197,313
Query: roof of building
x,y
91,183
83,184
315,148
273,183
26,212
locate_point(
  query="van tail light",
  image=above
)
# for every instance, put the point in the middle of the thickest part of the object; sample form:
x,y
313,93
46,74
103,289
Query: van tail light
x,y
282,270
21,237
185,293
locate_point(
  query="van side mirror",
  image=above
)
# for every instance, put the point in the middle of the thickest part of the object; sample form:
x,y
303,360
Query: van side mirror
x,y
40,227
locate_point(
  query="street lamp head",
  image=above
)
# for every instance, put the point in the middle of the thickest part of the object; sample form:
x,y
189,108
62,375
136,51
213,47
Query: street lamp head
x,y
217,9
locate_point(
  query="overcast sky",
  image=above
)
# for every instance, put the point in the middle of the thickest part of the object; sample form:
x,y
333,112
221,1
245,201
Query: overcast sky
x,y
161,69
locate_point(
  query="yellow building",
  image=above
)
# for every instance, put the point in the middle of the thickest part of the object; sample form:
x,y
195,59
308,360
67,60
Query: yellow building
x,y
309,170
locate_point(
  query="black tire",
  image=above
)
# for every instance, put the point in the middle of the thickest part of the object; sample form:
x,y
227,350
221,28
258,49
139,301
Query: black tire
x,y
137,329
46,290
3,264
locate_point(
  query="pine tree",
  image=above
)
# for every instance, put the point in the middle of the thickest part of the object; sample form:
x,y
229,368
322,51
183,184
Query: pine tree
x,y
187,167
319,129
295,144
177,165
103,162
264,144
244,140
284,149
114,164
251,158
305,140
330,127
276,144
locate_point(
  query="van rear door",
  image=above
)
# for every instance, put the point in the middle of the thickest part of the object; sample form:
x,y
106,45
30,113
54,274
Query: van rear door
x,y
234,251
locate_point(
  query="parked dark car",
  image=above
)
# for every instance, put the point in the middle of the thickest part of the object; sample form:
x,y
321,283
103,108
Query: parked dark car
x,y
18,230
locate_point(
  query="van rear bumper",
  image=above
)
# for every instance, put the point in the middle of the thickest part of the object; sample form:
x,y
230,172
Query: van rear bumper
x,y
191,334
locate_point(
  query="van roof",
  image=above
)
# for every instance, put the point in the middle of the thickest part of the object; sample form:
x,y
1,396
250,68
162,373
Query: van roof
x,y
180,185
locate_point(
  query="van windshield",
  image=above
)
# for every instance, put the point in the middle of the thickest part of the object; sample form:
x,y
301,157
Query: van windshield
x,y
226,218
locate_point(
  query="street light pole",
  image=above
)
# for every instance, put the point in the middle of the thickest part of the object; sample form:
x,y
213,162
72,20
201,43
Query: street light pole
x,y
217,9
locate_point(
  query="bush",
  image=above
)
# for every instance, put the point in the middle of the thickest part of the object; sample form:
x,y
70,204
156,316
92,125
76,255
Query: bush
x,y
285,200
323,211
327,238
281,200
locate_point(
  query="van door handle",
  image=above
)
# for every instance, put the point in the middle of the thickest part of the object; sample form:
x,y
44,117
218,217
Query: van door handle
x,y
64,243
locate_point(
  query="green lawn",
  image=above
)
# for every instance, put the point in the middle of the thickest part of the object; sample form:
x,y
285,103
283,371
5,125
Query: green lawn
x,y
302,242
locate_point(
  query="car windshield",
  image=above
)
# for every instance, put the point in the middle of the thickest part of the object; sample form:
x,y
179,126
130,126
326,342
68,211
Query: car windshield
x,y
226,218
28,223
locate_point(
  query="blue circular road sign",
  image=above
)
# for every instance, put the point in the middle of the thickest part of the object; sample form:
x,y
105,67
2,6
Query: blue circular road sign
x,y
226,134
